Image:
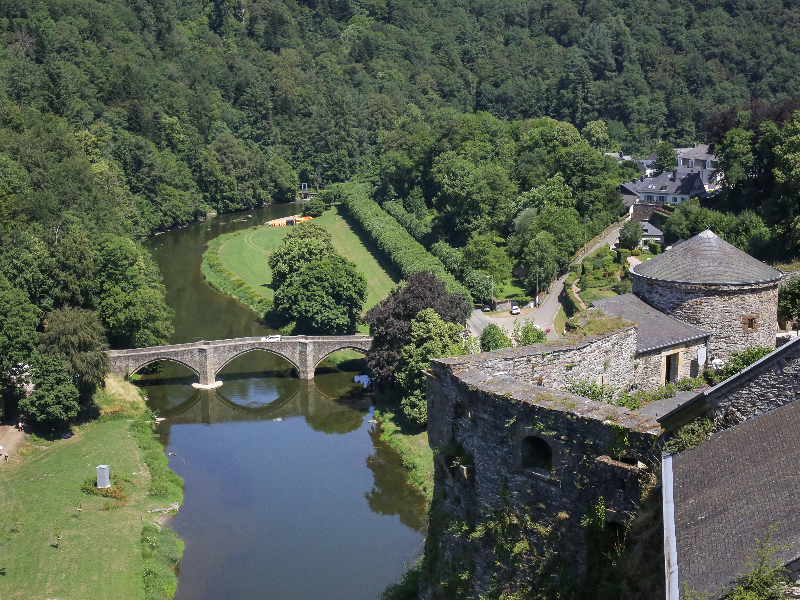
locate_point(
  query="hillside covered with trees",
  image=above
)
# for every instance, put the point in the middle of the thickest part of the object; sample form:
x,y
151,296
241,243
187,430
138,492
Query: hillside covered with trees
x,y
485,121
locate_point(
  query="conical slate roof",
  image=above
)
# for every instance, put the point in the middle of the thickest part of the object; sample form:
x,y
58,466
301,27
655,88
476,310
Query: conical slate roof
x,y
706,258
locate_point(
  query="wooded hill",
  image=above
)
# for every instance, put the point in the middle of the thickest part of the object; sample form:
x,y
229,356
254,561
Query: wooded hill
x,y
118,119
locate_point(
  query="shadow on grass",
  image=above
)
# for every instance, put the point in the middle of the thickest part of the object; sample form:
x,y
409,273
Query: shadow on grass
x,y
381,258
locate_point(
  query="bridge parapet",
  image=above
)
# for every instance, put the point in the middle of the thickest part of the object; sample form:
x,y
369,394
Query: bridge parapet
x,y
207,358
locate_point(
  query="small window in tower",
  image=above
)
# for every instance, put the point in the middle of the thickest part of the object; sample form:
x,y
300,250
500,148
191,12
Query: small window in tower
x,y
536,454
750,323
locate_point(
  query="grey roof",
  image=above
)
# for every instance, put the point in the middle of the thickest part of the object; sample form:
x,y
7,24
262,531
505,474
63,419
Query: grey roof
x,y
706,258
654,328
650,229
700,151
729,492
667,183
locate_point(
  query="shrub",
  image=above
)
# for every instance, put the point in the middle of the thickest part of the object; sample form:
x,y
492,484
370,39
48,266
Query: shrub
x,y
588,267
411,223
528,334
591,389
636,252
690,435
622,256
741,359
493,338
654,248
408,255
575,269
314,207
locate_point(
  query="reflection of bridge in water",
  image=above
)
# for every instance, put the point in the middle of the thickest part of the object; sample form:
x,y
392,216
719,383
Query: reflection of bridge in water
x,y
211,406
206,359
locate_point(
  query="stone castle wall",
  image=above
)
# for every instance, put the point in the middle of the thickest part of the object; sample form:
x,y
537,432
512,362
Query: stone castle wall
x,y
603,359
479,424
722,310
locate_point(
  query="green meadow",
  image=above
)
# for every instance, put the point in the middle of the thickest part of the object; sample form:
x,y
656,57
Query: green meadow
x,y
246,254
100,553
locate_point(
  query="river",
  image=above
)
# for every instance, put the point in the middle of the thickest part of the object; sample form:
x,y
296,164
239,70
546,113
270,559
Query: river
x,y
289,492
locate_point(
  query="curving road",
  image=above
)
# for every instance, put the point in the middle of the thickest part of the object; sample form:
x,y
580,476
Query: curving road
x,y
545,315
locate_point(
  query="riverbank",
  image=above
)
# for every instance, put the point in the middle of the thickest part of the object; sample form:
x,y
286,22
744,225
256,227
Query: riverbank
x,y
58,541
236,263
410,443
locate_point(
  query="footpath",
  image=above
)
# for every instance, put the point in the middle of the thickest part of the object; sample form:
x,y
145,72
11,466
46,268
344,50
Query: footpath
x,y
10,437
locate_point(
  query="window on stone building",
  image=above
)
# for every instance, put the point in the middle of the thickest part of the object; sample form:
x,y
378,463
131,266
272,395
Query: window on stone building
x,y
536,454
750,323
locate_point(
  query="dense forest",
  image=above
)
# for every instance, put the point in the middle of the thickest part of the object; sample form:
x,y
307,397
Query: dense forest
x,y
486,121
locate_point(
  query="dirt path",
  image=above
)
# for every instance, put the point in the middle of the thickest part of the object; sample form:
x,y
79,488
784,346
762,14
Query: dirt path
x,y
10,437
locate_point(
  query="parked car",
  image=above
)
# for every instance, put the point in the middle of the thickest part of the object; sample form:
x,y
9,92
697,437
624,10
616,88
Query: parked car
x,y
271,338
486,308
514,308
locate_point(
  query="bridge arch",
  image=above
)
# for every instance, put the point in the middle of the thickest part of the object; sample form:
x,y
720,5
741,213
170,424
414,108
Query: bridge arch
x,y
135,367
354,348
256,349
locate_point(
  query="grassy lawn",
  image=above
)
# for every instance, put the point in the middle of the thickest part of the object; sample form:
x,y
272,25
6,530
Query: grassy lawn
x,y
589,295
560,322
410,442
246,255
100,551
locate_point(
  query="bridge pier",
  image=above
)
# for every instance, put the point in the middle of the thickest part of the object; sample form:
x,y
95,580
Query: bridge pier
x,y
206,373
305,364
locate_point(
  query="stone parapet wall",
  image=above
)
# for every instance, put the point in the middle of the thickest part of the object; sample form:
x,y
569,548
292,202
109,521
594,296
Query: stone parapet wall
x,y
720,309
605,359
479,424
766,385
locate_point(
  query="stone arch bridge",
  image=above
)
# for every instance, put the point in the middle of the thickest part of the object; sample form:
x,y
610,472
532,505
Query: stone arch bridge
x,y
206,359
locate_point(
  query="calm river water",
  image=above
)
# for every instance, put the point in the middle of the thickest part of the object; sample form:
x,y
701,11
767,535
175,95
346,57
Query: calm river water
x,y
289,493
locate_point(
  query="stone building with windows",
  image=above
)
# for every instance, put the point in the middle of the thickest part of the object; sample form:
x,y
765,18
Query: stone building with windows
x,y
522,463
711,285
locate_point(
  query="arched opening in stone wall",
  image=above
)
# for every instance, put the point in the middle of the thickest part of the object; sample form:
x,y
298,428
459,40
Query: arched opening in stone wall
x,y
535,453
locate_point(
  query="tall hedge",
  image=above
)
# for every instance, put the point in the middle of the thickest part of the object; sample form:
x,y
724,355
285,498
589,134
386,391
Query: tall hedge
x,y
410,223
408,255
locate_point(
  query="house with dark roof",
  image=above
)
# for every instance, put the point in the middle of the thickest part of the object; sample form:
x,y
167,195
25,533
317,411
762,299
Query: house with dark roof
x,y
651,233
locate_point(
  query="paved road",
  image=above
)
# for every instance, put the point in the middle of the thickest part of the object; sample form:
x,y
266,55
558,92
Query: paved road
x,y
545,315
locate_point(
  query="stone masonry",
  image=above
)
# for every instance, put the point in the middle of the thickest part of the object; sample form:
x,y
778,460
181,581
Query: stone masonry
x,y
206,359
603,359
651,367
723,310
765,385
481,424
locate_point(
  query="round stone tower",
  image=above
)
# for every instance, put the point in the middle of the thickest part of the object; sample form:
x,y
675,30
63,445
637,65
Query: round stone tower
x,y
715,287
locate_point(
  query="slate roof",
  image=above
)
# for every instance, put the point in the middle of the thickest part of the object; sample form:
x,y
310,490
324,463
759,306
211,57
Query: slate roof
x,y
650,229
729,491
706,258
667,183
654,329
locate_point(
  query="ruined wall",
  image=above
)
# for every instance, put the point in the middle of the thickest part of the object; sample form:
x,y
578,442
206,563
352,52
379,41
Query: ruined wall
x,y
604,359
721,310
651,367
481,426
